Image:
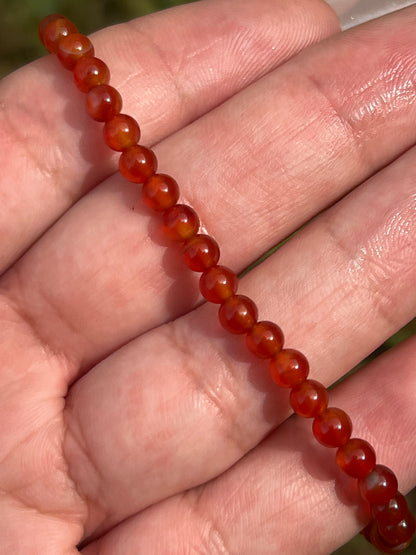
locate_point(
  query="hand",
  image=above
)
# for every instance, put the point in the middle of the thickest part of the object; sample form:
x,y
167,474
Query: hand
x,y
130,422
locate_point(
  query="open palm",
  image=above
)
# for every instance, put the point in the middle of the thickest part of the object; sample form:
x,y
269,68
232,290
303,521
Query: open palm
x,y
129,422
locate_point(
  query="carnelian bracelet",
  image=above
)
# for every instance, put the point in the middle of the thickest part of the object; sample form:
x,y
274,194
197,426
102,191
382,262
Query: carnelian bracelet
x,y
392,525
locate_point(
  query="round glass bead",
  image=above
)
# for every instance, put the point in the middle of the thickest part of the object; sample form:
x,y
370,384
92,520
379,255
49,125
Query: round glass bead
x,y
72,47
309,398
90,72
399,533
391,512
379,486
332,427
103,102
265,339
137,163
201,252
121,131
52,28
356,458
180,222
160,192
218,283
238,314
289,368
372,534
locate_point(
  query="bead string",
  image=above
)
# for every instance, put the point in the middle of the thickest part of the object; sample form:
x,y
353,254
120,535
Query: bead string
x,y
392,525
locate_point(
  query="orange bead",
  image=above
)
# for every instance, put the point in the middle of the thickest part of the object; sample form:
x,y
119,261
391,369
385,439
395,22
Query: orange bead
x,y
391,512
201,252
332,427
180,222
160,192
356,458
238,314
72,47
289,368
218,283
402,532
309,398
372,534
52,28
90,72
379,486
103,102
137,163
265,339
121,131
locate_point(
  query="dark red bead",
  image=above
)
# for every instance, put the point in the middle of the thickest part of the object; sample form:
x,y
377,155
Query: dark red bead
x,y
90,72
265,339
391,512
160,192
103,102
356,458
238,314
309,398
72,47
180,222
289,368
372,534
379,486
201,252
218,283
332,427
137,163
52,28
399,533
121,131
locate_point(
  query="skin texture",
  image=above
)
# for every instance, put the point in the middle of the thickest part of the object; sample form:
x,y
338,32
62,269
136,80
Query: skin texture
x,y
129,422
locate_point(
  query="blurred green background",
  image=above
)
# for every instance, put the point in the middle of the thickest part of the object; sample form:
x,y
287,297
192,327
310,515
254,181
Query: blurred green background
x,y
20,44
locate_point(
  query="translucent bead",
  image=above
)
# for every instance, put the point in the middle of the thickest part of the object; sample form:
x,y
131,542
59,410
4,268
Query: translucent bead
x,y
218,283
356,458
372,534
137,163
180,222
332,427
201,252
121,131
238,314
265,339
391,512
289,368
72,47
103,102
399,533
90,72
309,398
160,192
52,28
379,486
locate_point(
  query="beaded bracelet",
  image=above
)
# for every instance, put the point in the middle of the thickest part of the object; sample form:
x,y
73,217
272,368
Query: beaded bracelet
x,y
392,525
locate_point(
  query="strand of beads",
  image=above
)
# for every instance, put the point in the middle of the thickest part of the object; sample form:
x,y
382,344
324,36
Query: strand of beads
x,y
392,525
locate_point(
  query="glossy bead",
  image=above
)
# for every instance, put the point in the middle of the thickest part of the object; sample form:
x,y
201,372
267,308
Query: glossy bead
x,y
201,252
332,427
372,534
90,72
218,283
265,339
356,458
137,163
121,131
379,486
180,222
309,398
391,512
238,314
52,28
399,533
289,368
72,47
160,192
103,102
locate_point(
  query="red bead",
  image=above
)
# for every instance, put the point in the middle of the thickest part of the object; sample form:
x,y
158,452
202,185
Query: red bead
x,y
201,252
332,427
391,512
72,47
309,398
218,283
52,28
289,368
399,533
103,102
372,534
121,131
379,486
90,72
238,314
160,192
265,339
356,458
137,163
180,222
